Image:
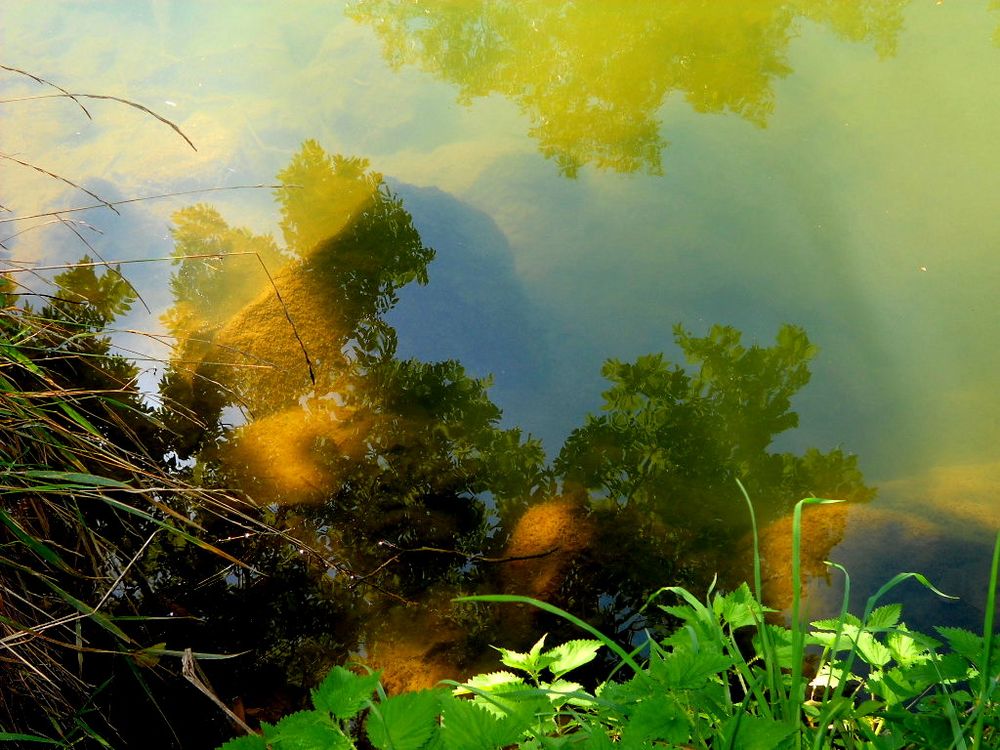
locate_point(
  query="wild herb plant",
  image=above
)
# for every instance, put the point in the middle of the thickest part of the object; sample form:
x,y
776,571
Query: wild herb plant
x,y
700,687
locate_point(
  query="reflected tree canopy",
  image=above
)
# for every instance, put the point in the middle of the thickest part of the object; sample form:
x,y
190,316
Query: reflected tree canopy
x,y
592,77
369,448
394,476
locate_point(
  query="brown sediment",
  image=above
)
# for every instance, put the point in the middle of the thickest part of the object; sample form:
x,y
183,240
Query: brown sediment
x,y
560,527
418,647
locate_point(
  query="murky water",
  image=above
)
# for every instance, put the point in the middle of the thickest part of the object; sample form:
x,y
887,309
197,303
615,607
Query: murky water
x,y
589,175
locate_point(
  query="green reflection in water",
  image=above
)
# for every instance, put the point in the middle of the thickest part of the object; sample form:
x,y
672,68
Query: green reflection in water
x,y
592,76
395,475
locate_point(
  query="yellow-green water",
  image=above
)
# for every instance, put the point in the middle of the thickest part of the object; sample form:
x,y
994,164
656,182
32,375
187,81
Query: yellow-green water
x,y
589,174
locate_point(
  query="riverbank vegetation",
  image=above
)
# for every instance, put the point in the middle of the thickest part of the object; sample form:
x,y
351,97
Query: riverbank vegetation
x,y
725,677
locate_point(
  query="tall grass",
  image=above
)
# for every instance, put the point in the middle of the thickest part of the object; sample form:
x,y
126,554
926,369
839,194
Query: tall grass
x,y
84,491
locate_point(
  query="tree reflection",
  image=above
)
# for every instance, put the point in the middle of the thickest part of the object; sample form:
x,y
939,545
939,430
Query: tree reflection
x,y
592,76
366,452
662,459
394,476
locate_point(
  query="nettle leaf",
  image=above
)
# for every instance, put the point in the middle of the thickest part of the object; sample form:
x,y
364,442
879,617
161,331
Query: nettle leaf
x,y
246,742
639,688
964,642
948,668
306,730
468,726
833,624
657,720
781,642
872,651
884,617
685,670
558,693
899,685
907,648
532,662
406,721
488,682
739,608
572,654
343,693
757,733
599,740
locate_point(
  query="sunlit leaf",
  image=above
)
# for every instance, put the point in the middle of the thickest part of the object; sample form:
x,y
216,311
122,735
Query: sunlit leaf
x,y
406,721
343,693
572,654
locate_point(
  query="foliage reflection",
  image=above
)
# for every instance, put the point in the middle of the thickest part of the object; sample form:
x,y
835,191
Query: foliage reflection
x,y
394,474
592,76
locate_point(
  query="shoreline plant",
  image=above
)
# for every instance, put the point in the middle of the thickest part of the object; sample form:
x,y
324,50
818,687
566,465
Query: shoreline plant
x,y
877,685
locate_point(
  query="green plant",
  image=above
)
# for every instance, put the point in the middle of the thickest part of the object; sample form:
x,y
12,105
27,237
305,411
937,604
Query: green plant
x,y
700,687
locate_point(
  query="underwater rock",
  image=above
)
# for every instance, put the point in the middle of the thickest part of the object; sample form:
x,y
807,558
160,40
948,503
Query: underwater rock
x,y
917,525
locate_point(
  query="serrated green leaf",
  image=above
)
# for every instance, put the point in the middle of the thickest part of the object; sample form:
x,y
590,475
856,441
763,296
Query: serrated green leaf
x,y
467,726
559,693
872,651
406,721
757,733
850,621
905,648
685,670
572,654
488,681
306,730
598,740
739,608
532,662
963,642
343,693
884,617
657,720
246,742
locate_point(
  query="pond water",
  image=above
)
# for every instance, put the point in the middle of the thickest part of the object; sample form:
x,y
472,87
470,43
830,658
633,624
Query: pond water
x,y
589,175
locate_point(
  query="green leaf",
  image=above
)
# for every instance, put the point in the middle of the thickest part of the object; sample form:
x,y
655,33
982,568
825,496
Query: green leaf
x,y
14,737
964,642
685,670
76,478
32,543
306,730
488,681
246,742
872,651
905,647
344,693
739,608
658,720
467,726
884,617
406,721
572,654
757,733
849,620
532,662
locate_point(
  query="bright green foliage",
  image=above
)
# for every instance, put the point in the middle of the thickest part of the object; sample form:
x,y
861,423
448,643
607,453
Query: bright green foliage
x,y
697,689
